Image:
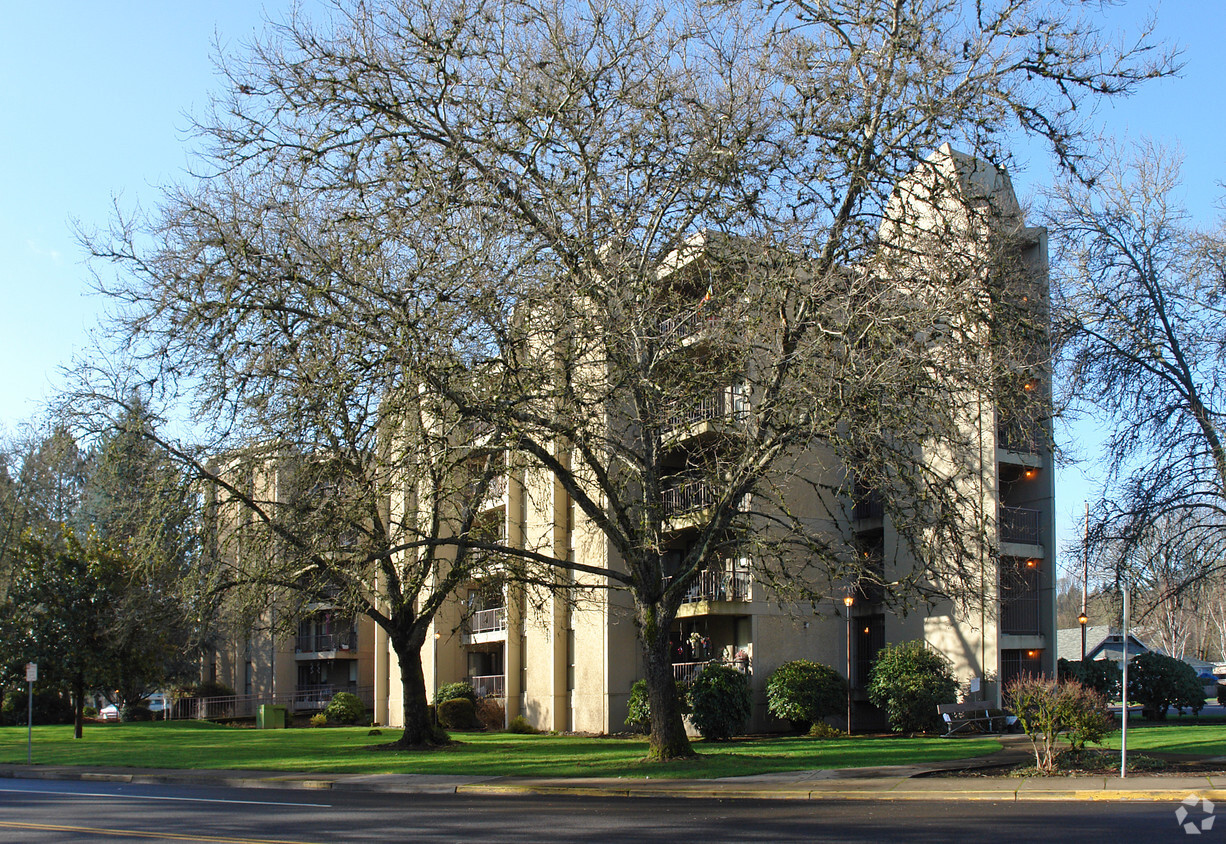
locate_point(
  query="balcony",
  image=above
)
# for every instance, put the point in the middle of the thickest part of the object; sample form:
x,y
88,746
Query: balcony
x,y
308,644
719,585
689,326
1019,597
1021,437
687,672
868,508
728,404
489,685
1020,525
488,620
688,497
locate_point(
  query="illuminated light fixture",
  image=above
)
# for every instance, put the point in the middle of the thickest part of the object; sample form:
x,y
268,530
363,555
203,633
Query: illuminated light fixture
x,y
1032,564
1029,474
1032,654
865,631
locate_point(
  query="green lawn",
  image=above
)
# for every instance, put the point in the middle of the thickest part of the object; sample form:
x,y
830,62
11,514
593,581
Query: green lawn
x,y
1207,737
180,744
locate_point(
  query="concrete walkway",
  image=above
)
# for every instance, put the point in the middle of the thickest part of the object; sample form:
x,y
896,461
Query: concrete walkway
x,y
900,782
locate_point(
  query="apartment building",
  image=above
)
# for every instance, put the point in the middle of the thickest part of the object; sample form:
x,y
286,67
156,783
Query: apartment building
x,y
567,661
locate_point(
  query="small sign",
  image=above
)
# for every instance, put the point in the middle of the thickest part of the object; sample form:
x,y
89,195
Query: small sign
x,y
31,672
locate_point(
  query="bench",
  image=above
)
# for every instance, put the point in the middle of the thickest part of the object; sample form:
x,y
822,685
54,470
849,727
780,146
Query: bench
x,y
973,717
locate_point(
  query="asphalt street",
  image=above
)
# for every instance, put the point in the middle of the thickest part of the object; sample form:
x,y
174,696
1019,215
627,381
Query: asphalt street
x,y
61,811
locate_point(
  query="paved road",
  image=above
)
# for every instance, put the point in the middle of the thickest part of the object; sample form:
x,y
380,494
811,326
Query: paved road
x,y
58,811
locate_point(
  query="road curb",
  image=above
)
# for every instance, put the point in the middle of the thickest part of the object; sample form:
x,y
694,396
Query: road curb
x,y
999,789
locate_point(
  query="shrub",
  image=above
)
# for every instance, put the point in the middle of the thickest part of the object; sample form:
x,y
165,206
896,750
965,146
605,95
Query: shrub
x,y
805,692
822,730
639,705
318,720
907,681
459,713
48,708
345,708
720,702
490,713
1221,694
1047,709
135,712
519,724
454,691
1158,682
1101,675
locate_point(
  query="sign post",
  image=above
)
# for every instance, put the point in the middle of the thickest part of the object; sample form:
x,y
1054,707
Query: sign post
x,y
31,676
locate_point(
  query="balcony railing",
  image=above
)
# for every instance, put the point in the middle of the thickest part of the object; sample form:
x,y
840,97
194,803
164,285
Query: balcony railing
x,y
684,327
1020,437
870,507
489,685
316,642
1020,615
719,585
688,497
687,672
1019,524
1019,597
729,403
488,621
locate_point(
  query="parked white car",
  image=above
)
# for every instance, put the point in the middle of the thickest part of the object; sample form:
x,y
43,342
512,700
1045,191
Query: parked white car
x,y
156,703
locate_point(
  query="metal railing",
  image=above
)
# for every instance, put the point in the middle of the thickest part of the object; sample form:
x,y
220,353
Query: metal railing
x,y
729,403
486,621
1019,614
687,326
316,642
302,699
687,497
869,507
1020,437
687,672
489,685
1019,524
719,585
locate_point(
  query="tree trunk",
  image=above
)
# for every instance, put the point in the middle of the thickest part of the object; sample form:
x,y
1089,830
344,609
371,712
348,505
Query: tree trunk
x,y
78,705
419,728
668,739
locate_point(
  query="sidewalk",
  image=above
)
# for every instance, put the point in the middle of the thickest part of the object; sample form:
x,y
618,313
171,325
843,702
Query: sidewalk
x,y
900,782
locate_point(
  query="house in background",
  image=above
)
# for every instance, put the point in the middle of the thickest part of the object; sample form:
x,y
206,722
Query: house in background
x,y
1102,642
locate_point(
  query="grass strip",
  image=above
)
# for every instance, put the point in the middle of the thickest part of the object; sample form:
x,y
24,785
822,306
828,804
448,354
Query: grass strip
x,y
202,745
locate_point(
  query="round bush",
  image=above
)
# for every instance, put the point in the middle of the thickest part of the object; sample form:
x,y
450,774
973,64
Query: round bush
x,y
454,691
345,708
805,692
907,681
1158,682
519,724
1221,694
459,713
720,702
638,716
1101,675
135,712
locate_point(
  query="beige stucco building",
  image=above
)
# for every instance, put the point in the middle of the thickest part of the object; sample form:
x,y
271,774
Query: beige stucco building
x,y
568,663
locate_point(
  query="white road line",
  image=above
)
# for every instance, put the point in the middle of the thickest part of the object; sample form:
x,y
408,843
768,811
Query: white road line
x,y
156,797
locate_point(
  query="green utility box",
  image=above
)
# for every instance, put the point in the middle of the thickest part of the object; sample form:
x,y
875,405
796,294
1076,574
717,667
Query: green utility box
x,y
269,717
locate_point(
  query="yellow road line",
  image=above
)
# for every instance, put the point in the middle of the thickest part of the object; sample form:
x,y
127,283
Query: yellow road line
x,y
133,833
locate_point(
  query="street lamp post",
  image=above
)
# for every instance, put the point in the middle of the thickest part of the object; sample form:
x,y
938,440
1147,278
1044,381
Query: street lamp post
x,y
847,601
1082,619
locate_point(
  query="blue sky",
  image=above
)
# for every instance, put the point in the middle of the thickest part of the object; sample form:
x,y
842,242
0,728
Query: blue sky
x,y
93,98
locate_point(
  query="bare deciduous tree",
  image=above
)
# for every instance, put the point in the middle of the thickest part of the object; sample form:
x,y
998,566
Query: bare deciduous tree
x,y
533,210
1140,292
